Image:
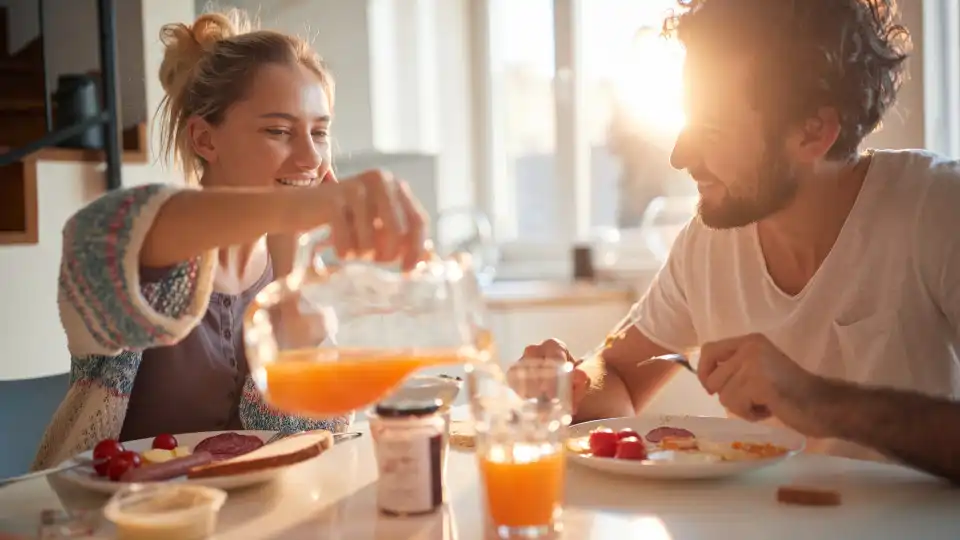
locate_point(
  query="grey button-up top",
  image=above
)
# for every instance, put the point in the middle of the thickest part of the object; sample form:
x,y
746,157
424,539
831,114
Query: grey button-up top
x,y
196,384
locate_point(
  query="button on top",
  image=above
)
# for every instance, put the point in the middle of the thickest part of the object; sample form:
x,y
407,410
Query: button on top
x,y
227,302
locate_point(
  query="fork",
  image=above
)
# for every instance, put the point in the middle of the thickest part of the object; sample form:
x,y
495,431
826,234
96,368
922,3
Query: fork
x,y
676,358
281,435
67,466
760,411
337,437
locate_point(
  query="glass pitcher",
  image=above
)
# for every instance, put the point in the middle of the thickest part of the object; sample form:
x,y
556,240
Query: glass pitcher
x,y
336,336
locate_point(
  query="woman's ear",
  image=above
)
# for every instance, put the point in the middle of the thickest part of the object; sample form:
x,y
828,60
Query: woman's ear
x,y
200,133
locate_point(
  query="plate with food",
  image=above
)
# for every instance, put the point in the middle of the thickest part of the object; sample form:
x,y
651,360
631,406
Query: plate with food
x,y
218,459
680,447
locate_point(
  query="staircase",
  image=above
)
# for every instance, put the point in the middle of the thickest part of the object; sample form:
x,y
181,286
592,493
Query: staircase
x,y
26,116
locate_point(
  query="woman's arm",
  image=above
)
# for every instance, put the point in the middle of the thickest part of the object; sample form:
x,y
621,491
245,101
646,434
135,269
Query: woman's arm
x,y
105,305
192,222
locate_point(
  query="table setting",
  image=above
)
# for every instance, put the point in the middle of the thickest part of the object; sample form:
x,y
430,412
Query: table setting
x,y
494,454
335,495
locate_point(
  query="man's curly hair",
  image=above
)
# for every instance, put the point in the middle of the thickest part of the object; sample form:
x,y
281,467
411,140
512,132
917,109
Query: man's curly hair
x,y
845,54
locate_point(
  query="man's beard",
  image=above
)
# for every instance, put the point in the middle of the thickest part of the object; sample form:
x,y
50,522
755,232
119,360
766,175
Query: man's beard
x,y
776,185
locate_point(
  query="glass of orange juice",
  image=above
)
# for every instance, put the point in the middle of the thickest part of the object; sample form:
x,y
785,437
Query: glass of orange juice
x,y
521,420
336,336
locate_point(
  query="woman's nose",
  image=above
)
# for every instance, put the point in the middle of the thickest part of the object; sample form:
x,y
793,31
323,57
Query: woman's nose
x,y
307,156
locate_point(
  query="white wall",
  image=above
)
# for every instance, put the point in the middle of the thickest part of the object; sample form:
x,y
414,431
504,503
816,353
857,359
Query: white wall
x,y
33,341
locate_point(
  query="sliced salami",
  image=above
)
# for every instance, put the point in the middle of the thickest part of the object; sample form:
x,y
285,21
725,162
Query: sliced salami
x,y
656,435
228,445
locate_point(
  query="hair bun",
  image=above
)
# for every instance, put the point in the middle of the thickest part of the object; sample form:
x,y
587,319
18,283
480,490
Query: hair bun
x,y
211,28
185,45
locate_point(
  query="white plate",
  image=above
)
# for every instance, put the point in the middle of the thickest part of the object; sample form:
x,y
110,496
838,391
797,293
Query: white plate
x,y
713,429
85,477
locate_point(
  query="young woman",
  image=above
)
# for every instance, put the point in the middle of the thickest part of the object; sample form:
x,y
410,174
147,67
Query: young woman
x,y
151,298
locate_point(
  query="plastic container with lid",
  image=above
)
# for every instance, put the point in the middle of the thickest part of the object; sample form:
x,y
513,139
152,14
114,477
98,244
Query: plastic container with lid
x,y
165,511
409,437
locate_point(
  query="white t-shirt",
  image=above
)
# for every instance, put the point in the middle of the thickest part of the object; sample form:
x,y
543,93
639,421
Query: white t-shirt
x,y
883,309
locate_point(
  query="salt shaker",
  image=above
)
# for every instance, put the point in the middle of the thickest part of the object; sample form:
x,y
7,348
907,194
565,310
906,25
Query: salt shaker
x,y
408,438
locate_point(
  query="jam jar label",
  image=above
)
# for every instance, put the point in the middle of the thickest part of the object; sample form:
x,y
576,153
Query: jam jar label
x,y
410,481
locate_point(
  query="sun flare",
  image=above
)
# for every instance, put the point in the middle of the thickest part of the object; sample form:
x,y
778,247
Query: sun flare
x,y
650,84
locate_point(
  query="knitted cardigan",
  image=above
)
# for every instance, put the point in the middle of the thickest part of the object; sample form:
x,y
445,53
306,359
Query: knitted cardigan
x,y
110,318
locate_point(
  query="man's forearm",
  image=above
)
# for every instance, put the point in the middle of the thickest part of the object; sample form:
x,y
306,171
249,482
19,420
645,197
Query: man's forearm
x,y
917,430
607,396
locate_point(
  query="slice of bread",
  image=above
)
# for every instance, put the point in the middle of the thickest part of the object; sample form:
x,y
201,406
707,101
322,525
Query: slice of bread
x,y
282,453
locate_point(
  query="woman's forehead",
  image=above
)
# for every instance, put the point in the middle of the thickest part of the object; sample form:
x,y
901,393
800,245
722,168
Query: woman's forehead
x,y
290,90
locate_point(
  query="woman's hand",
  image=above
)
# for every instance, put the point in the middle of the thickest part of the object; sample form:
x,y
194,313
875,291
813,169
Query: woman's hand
x,y
372,215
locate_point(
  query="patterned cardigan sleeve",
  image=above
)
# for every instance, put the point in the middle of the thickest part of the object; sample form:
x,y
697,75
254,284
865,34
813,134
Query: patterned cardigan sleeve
x,y
104,308
110,316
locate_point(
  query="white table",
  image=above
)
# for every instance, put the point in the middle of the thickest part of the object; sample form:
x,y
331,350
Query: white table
x,y
334,497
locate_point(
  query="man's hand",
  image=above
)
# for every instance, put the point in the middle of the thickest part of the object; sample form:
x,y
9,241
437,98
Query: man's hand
x,y
755,380
554,350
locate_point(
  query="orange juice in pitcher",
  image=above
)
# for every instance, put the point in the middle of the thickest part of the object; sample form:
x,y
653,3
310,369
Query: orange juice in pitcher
x,y
306,382
330,339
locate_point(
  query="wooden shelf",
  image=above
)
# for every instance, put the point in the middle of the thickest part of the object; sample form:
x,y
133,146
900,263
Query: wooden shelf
x,y
18,184
18,203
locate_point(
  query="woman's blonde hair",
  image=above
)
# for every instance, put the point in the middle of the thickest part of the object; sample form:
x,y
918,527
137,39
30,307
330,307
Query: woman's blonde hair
x,y
209,66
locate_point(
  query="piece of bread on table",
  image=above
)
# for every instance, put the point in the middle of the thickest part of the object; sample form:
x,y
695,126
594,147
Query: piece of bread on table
x,y
282,453
807,496
462,436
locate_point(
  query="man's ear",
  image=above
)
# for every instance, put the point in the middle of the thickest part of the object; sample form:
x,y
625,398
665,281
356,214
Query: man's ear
x,y
817,135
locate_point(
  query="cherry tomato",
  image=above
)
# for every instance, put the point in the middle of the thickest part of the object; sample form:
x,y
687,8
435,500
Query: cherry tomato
x,y
631,448
132,456
105,450
165,442
603,443
627,432
118,466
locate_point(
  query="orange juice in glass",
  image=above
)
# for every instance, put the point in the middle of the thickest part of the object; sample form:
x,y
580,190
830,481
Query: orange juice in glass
x,y
521,422
524,484
332,338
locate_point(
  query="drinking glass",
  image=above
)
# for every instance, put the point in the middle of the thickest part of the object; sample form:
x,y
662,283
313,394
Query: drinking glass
x,y
336,335
521,421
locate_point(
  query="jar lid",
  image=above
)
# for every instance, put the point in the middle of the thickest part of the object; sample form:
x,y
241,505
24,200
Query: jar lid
x,y
407,407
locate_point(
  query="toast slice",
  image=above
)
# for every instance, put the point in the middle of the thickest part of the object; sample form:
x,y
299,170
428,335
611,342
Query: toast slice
x,y
282,453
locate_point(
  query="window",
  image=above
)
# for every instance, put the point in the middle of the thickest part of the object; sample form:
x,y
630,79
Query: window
x,y
634,108
522,71
583,102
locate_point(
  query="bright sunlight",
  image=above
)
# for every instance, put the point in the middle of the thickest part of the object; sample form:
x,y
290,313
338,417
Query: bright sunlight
x,y
650,84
